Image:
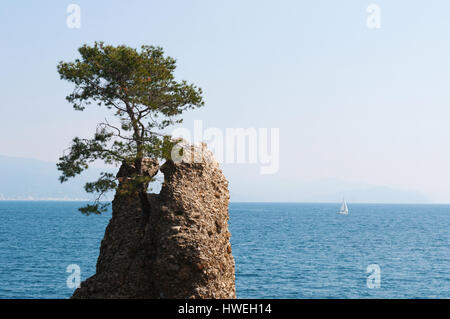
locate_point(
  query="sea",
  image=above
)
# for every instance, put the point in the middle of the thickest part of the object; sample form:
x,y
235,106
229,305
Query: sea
x,y
281,250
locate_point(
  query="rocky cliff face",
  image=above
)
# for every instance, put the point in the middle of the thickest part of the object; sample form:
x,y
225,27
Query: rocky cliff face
x,y
181,250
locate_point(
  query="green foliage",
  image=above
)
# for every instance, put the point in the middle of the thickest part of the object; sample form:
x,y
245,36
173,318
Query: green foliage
x,y
143,96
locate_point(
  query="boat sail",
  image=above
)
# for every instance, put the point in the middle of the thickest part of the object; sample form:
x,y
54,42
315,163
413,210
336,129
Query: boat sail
x,y
344,208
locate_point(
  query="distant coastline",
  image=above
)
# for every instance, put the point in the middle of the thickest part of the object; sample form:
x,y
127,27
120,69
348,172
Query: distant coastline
x,y
42,183
57,199
31,199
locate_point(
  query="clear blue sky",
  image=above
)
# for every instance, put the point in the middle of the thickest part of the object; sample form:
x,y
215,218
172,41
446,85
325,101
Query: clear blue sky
x,y
353,104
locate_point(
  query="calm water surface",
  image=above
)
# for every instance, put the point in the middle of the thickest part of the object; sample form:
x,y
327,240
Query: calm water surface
x,y
281,250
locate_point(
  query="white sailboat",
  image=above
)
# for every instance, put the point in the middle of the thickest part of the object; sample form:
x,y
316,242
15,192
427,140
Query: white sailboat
x,y
344,208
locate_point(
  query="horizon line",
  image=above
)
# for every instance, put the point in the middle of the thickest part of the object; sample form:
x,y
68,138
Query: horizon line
x,y
233,202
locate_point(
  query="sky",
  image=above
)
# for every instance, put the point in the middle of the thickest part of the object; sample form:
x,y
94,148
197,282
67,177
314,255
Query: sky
x,y
352,104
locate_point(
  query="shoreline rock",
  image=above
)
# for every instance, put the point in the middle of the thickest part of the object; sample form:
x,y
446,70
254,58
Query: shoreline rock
x,y
183,249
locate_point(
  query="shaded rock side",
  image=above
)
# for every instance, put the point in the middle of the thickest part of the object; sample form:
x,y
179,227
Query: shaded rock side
x,y
180,250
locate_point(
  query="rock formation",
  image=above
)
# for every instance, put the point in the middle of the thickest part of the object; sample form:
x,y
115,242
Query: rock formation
x,y
181,250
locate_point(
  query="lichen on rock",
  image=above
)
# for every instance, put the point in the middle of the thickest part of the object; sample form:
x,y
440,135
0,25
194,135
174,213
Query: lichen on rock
x,y
181,249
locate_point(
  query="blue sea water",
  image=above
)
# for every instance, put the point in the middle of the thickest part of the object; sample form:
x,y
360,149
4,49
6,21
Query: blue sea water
x,y
281,250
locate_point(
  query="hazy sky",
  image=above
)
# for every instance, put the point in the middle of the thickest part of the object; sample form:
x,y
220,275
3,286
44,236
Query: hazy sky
x,y
352,103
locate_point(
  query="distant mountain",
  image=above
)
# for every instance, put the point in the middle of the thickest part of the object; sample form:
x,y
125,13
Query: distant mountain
x,y
272,189
23,178
371,194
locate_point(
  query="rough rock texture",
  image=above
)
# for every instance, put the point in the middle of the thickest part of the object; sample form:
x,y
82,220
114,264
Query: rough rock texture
x,y
182,250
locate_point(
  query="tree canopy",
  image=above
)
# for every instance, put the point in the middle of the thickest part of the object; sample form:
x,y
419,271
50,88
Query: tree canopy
x,y
139,89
